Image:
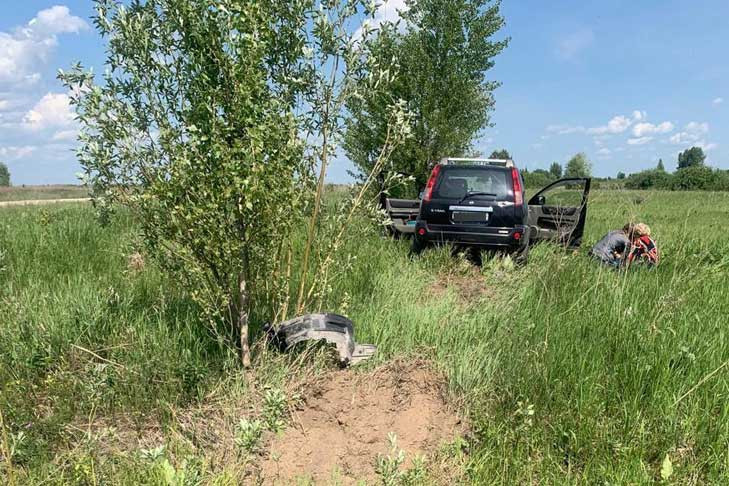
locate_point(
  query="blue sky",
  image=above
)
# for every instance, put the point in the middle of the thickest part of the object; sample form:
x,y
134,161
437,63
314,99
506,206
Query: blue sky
x,y
626,82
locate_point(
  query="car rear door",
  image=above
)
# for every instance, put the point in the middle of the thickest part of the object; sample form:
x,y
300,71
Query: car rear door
x,y
558,212
402,213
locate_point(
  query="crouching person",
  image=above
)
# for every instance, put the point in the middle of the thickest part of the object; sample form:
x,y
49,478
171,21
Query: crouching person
x,y
614,247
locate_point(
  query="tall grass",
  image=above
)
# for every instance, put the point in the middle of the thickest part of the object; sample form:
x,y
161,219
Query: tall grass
x,y
570,372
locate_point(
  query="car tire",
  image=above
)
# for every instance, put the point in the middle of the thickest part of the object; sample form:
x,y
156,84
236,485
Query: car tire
x,y
417,246
522,255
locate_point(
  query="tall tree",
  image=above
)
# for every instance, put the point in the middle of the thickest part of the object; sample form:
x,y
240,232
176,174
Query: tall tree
x,y
579,166
691,157
660,166
4,175
500,154
444,51
555,170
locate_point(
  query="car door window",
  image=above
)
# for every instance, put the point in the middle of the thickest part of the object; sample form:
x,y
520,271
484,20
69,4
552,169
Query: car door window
x,y
564,195
558,212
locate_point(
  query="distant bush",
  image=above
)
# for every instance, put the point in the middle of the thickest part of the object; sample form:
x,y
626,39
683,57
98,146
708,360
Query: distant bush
x,y
694,177
538,178
691,178
649,179
722,180
4,175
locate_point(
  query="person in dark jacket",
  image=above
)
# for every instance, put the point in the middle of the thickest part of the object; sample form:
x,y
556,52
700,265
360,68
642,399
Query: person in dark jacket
x,y
614,247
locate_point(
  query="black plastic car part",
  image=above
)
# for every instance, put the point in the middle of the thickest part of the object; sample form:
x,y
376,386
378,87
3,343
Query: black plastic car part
x,y
332,328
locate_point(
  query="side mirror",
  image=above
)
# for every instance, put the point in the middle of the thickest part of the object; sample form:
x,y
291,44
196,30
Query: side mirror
x,y
540,200
420,195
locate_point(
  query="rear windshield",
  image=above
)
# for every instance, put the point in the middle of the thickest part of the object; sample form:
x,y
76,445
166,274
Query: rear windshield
x,y
489,182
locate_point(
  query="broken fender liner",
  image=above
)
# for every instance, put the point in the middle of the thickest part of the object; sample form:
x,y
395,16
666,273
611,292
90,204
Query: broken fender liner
x,y
332,328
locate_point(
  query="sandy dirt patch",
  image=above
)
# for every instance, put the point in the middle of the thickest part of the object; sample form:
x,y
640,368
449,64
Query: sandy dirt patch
x,y
342,426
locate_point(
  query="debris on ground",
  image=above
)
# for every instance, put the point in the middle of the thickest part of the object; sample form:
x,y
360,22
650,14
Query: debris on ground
x,y
135,262
339,431
332,328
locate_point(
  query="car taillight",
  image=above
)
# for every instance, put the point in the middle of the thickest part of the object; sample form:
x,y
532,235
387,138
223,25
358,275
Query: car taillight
x,y
518,195
517,236
431,183
421,231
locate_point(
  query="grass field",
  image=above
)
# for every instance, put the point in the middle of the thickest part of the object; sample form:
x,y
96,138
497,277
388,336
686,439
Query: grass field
x,y
28,193
570,373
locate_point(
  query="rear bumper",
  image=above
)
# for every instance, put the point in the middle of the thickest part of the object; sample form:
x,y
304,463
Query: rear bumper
x,y
503,238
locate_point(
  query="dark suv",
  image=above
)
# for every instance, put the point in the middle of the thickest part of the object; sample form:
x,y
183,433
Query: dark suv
x,y
481,203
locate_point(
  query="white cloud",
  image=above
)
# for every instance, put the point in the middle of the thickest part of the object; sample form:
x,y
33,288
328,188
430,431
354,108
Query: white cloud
x,y
65,135
604,152
639,140
718,101
15,153
618,124
706,147
571,45
56,20
692,133
52,111
388,11
27,48
565,129
642,129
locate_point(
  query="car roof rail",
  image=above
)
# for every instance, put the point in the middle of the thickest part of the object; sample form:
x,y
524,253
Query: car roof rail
x,y
474,161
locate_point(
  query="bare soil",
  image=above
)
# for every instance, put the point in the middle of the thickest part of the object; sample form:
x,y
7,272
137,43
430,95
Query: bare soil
x,y
342,426
469,286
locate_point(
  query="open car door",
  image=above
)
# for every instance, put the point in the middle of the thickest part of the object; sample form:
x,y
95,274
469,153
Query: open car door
x,y
557,212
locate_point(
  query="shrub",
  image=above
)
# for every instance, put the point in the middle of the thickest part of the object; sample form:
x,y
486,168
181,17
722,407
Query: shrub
x,y
649,179
4,175
722,180
693,178
537,179
209,124
578,166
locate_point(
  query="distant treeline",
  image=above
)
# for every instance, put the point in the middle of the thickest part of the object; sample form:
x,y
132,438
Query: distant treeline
x,y
694,178
691,175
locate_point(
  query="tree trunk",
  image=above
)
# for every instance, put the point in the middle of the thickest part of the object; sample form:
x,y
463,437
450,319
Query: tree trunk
x,y
382,196
245,350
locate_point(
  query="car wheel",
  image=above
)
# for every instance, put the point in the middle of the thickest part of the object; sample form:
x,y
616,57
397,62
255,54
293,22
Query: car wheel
x,y
522,255
417,246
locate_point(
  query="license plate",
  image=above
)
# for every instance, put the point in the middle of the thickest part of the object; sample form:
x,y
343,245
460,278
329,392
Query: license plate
x,y
469,217
411,222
